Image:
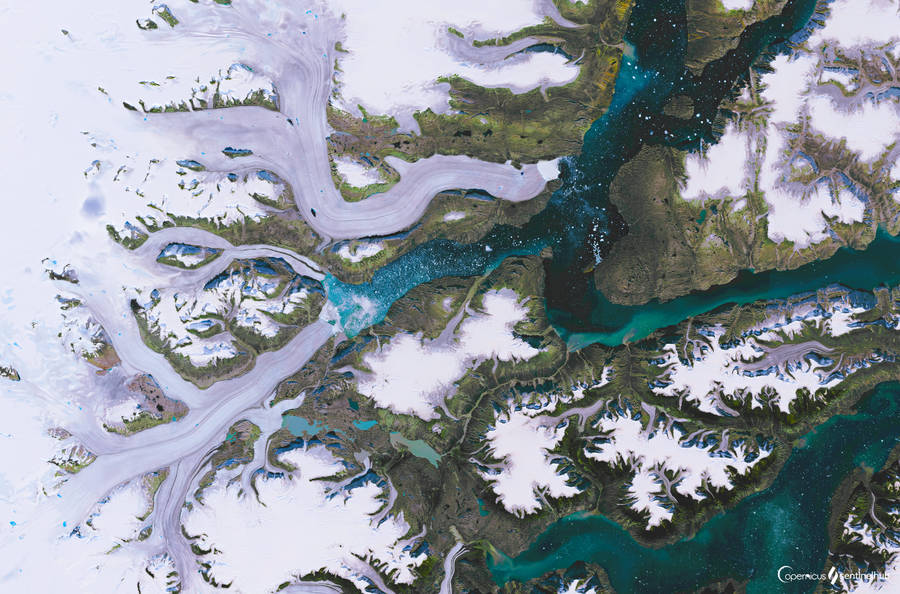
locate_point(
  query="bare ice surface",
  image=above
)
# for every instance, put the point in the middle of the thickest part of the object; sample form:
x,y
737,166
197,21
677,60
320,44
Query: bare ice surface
x,y
110,123
80,153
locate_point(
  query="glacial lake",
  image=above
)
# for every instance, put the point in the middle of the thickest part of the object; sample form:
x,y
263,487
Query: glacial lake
x,y
785,524
416,447
302,427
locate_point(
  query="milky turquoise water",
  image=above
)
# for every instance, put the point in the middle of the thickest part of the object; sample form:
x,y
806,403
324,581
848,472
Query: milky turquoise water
x,y
784,525
300,426
578,222
875,266
417,447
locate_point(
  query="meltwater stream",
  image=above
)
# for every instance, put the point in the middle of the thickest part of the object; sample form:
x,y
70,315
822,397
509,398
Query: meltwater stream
x,y
578,222
783,525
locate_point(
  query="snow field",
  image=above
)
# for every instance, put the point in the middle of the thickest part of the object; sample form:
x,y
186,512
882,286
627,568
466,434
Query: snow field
x,y
163,188
722,171
524,444
653,451
418,390
796,89
355,173
235,85
523,438
330,530
245,294
361,252
737,4
395,57
717,371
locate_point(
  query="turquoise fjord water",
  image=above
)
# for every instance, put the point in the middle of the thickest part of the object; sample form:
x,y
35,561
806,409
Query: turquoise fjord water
x,y
783,525
578,222
856,269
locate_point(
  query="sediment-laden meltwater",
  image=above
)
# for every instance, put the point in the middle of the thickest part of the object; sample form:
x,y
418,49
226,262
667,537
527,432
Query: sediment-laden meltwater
x,y
578,222
785,525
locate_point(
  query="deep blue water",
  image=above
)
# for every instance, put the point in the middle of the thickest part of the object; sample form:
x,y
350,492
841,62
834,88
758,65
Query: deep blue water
x,y
784,525
578,221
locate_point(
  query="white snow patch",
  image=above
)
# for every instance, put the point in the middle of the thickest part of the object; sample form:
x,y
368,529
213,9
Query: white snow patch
x,y
234,85
126,410
869,129
330,529
81,332
722,170
854,23
418,389
802,219
575,587
355,173
454,215
167,320
798,214
361,252
523,438
188,256
889,583
785,86
661,449
842,319
797,87
846,78
246,294
523,443
100,556
737,4
716,370
161,187
396,56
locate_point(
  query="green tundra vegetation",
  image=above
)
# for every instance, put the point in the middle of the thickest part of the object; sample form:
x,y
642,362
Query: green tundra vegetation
x,y
248,343
495,124
453,499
